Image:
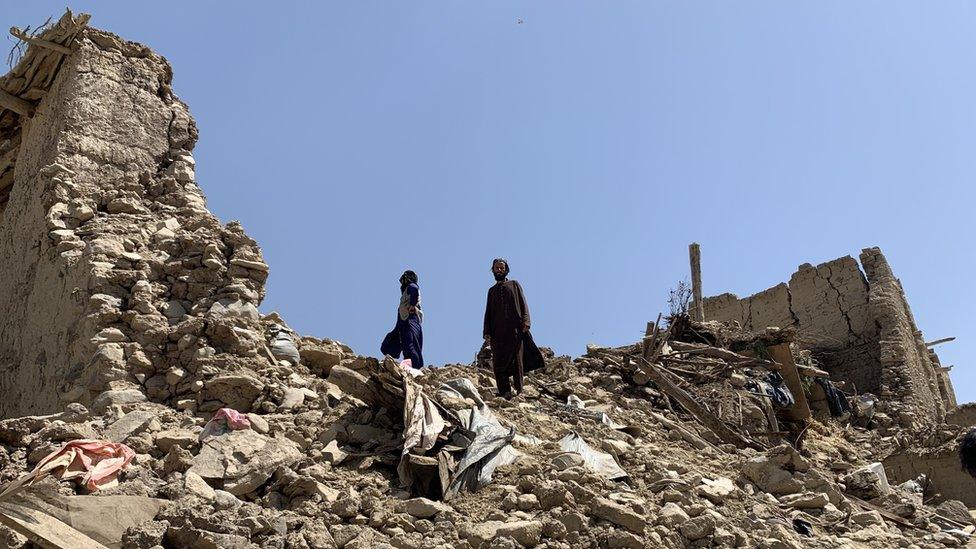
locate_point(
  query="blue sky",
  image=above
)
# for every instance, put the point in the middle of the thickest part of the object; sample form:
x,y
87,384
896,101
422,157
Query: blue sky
x,y
589,145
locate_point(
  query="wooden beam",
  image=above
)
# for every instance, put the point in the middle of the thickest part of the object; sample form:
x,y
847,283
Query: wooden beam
x,y
16,104
17,33
697,306
939,341
883,512
43,529
662,379
784,356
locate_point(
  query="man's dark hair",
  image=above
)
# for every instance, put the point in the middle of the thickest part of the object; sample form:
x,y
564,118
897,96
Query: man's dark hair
x,y
407,278
967,452
501,260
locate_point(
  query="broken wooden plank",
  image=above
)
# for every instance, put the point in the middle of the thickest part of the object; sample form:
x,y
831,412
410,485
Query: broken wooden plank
x,y
661,378
43,529
810,371
39,42
939,341
16,104
883,512
784,356
680,347
689,437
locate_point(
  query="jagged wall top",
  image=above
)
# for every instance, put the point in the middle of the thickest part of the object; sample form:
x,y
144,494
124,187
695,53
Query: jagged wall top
x,y
118,282
860,327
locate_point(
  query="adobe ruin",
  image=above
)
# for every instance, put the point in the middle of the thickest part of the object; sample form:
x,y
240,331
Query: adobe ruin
x,y
859,327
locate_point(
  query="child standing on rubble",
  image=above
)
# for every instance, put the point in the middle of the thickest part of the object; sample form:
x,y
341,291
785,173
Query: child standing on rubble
x,y
407,336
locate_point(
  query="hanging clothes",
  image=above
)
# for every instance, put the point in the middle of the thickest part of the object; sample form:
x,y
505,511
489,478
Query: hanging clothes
x,y
773,386
836,400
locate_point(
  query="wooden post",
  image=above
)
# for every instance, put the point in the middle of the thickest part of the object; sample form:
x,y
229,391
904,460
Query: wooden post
x,y
697,306
784,356
16,104
23,36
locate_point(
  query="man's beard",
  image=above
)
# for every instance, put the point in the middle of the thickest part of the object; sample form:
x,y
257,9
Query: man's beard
x,y
500,276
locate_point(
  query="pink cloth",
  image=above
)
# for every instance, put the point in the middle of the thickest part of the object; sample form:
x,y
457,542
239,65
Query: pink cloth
x,y
224,421
94,463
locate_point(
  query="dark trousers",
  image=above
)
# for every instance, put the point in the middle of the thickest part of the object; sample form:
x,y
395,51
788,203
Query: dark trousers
x,y
508,365
407,338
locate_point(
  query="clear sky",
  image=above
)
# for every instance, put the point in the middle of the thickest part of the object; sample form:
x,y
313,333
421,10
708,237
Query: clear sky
x,y
589,144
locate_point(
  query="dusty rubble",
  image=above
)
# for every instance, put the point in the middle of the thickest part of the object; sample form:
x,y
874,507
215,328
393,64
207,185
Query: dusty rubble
x,y
138,312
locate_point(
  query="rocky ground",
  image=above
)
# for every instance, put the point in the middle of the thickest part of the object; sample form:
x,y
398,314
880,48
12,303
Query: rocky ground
x,y
318,466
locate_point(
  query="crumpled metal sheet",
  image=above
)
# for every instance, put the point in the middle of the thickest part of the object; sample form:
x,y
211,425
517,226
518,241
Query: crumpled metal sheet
x,y
423,424
490,446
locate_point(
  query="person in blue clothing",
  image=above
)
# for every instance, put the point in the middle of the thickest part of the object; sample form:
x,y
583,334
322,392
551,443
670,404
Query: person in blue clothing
x,y
407,336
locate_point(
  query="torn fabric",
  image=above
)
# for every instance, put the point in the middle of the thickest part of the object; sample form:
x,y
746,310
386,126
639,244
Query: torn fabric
x,y
225,421
95,464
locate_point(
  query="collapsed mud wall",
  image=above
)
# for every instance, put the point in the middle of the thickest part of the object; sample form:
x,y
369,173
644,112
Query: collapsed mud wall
x,y
117,283
963,416
940,466
861,329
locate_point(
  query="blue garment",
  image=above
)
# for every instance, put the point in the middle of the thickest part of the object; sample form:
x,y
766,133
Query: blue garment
x,y
836,400
775,388
407,336
411,340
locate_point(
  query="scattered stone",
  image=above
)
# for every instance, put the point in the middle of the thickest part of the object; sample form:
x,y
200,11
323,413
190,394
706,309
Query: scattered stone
x,y
718,490
421,507
165,440
806,500
258,423
244,460
867,482
618,514
867,518
119,397
130,424
671,515
198,487
698,527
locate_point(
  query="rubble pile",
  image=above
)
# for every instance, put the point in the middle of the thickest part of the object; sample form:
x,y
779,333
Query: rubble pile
x,y
147,403
324,468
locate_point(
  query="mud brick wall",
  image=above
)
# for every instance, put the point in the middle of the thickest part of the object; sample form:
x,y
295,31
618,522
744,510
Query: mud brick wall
x,y
940,465
963,416
859,326
118,284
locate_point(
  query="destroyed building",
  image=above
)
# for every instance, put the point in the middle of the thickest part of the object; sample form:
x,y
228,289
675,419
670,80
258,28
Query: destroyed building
x,y
131,329
859,327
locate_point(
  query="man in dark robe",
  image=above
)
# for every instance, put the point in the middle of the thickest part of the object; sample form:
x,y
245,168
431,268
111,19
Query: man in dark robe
x,y
506,323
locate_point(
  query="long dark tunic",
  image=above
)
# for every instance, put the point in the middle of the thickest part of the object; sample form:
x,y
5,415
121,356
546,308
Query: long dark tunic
x,y
506,314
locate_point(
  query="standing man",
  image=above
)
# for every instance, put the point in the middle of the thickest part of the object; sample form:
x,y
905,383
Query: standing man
x,y
506,322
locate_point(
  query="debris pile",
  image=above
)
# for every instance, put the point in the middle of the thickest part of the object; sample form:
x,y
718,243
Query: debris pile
x,y
135,360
